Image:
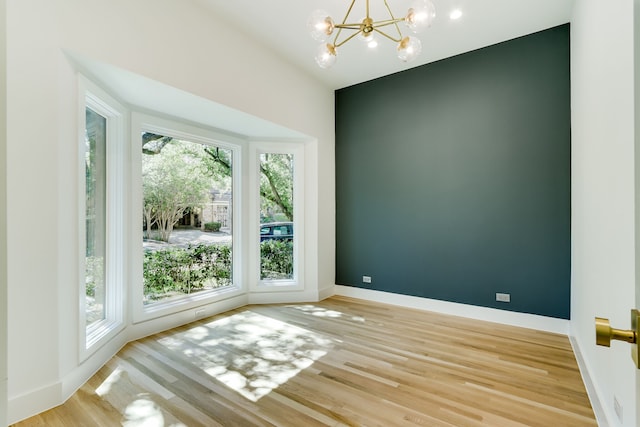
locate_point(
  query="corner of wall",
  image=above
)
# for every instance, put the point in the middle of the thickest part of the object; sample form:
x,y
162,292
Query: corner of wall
x,y
325,293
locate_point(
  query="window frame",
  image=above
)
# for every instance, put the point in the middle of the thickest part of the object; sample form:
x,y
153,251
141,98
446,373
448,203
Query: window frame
x,y
142,122
93,336
297,282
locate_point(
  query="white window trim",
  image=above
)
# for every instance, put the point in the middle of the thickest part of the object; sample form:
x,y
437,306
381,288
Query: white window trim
x,y
97,334
161,126
297,283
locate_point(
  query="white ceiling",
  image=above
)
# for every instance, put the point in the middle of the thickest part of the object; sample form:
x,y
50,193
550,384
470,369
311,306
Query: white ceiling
x,y
281,26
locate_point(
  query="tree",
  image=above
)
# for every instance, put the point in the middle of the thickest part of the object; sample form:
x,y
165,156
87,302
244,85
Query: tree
x,y
173,180
276,184
276,179
276,173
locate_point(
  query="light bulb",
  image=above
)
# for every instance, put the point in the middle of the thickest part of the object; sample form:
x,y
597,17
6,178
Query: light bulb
x,y
320,25
409,48
326,55
369,39
420,16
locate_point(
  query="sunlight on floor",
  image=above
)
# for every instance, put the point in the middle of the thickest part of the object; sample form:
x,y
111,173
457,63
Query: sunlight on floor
x,y
111,380
142,411
323,312
248,352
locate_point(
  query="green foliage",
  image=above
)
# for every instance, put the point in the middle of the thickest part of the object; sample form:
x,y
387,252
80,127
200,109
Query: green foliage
x,y
277,259
276,185
276,180
212,226
219,163
180,271
173,181
94,275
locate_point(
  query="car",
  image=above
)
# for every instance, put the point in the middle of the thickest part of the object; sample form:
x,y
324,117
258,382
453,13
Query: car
x,y
282,230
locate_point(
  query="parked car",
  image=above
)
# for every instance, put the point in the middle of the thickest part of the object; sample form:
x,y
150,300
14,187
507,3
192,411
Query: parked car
x,y
276,231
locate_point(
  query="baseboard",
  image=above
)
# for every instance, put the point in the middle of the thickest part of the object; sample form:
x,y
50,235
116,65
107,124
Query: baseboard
x,y
326,292
524,320
596,403
282,297
36,401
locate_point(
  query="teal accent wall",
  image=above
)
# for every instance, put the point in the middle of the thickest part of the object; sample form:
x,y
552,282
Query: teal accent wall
x,y
453,178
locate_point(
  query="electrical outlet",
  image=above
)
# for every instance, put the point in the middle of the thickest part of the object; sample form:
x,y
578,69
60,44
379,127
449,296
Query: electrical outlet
x,y
366,279
618,408
503,297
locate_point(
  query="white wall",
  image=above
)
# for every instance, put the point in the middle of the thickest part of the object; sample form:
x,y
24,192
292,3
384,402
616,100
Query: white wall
x,y
603,198
3,218
176,43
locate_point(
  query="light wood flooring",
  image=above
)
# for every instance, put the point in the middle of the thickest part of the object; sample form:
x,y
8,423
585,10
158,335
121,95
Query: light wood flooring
x,y
339,362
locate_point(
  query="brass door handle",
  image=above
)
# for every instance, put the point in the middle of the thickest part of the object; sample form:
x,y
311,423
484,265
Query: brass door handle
x,y
605,333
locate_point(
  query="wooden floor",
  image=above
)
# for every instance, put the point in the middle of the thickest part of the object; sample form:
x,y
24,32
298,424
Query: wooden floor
x,y
340,362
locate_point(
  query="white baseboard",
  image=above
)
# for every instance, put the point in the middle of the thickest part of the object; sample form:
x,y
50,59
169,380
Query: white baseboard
x,y
594,397
524,320
282,297
326,292
34,402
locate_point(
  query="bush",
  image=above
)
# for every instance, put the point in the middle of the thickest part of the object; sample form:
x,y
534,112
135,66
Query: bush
x,y
212,226
183,271
277,259
94,275
178,271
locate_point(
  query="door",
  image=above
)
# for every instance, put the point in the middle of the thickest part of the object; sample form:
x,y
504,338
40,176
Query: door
x,y
636,74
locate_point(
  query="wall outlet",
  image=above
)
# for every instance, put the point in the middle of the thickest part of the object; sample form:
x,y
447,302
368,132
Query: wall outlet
x,y
618,408
200,313
503,297
366,279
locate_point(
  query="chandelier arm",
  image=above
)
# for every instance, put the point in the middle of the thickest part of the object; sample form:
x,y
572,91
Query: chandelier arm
x,y
344,24
394,19
398,29
386,4
349,11
354,26
338,44
387,22
398,40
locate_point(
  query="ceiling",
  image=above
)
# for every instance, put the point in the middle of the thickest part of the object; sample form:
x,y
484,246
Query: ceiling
x,y
281,26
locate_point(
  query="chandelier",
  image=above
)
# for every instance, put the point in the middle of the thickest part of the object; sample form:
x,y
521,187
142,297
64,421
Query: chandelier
x,y
419,17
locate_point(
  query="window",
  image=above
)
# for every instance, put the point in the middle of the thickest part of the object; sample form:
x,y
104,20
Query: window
x,y
280,215
186,187
101,165
186,248
96,215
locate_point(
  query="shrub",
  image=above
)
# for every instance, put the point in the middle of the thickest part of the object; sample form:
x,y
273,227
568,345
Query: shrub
x,y
187,270
94,275
277,259
212,226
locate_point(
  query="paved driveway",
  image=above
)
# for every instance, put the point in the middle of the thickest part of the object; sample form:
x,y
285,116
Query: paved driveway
x,y
181,238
